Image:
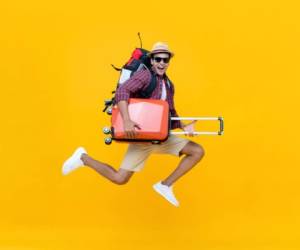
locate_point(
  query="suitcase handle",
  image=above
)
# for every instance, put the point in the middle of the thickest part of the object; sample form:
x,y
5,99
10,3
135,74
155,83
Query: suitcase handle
x,y
220,119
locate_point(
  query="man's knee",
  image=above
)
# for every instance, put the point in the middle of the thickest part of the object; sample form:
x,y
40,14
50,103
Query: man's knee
x,y
120,179
198,151
195,150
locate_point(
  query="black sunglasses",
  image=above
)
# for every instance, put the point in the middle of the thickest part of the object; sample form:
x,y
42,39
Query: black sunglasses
x,y
159,59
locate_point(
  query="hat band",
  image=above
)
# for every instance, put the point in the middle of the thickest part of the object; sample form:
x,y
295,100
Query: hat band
x,y
160,51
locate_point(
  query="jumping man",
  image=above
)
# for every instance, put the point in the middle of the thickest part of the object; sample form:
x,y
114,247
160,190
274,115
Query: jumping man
x,y
137,153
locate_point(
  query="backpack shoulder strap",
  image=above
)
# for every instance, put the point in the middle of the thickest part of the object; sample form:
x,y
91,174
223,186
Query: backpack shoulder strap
x,y
150,88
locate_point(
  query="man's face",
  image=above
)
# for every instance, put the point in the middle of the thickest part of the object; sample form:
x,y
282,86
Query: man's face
x,y
160,63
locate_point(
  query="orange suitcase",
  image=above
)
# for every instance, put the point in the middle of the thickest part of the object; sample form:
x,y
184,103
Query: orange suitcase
x,y
152,115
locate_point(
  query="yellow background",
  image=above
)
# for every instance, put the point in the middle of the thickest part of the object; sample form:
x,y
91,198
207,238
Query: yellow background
x,y
238,59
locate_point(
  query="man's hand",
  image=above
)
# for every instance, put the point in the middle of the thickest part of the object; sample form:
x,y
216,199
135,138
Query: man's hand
x,y
189,128
129,125
129,128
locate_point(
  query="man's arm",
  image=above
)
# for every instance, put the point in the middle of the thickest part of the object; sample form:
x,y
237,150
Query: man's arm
x,y
123,107
124,92
129,125
188,128
176,123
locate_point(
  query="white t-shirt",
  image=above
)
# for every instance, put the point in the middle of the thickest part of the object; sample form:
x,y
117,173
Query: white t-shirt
x,y
164,91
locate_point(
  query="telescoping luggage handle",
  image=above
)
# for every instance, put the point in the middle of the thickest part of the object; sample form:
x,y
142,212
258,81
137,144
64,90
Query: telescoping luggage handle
x,y
220,119
107,130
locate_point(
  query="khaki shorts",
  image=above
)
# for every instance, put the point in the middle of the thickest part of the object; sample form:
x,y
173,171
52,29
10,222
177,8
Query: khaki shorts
x,y
138,153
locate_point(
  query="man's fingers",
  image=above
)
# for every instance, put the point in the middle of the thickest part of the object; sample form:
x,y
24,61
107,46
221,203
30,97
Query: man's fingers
x,y
137,126
131,131
191,123
132,134
127,133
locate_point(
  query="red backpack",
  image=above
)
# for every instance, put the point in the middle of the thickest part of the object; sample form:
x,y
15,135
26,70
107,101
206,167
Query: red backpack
x,y
139,60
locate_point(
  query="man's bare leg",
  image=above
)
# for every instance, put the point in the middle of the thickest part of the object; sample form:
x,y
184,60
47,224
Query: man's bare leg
x,y
120,177
193,154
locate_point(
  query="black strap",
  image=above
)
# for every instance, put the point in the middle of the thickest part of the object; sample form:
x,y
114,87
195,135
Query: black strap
x,y
152,85
150,88
117,69
108,103
168,81
140,40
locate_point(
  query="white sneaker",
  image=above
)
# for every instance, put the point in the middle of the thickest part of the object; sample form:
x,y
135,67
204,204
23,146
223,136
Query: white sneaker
x,y
74,161
166,192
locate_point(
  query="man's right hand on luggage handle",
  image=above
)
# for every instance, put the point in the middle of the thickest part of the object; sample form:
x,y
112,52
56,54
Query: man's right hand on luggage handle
x,y
189,128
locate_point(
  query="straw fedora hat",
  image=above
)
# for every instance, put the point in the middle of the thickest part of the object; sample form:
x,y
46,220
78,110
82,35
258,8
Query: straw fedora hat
x,y
160,47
